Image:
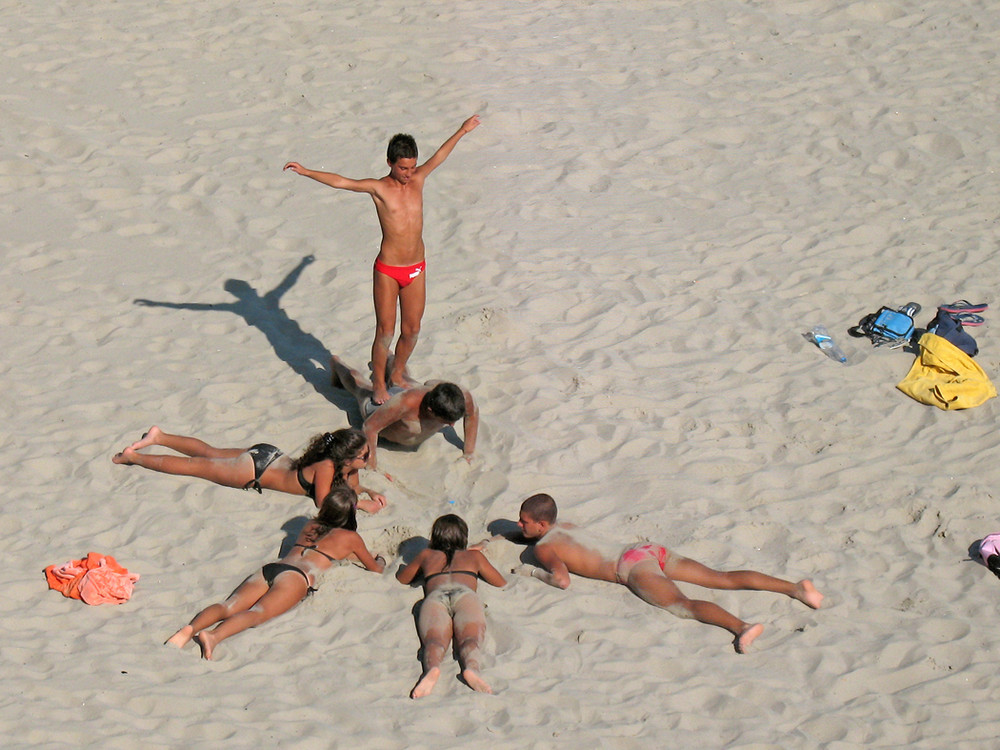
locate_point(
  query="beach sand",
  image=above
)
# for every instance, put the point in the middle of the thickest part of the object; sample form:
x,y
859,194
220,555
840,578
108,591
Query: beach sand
x,y
622,258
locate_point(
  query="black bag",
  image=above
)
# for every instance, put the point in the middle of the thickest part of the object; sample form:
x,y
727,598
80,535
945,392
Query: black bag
x,y
948,327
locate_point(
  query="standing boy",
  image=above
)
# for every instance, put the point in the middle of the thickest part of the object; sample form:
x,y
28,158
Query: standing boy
x,y
399,266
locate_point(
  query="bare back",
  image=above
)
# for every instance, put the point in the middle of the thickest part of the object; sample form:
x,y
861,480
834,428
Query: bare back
x,y
581,552
282,476
313,556
466,567
399,419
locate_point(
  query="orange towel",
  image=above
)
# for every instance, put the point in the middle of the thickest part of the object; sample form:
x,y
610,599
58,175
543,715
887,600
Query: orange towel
x,y
96,579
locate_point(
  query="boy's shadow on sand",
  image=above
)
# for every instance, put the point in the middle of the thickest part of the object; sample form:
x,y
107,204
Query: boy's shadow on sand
x,y
301,351
510,531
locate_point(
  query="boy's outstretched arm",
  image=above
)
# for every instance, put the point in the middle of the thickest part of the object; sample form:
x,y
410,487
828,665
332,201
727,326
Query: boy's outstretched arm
x,y
387,414
448,146
470,425
334,180
553,571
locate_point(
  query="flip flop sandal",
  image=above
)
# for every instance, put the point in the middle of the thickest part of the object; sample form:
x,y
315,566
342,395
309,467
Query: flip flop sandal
x,y
964,306
969,319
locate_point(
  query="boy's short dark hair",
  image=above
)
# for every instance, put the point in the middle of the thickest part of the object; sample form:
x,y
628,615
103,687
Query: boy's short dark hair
x,y
401,146
540,507
445,401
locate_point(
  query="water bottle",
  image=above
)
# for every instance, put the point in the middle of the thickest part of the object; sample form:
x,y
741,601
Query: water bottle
x,y
822,338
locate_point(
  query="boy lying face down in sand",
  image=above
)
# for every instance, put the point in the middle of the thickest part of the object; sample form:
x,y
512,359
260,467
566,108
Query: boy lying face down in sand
x,y
277,587
413,412
648,570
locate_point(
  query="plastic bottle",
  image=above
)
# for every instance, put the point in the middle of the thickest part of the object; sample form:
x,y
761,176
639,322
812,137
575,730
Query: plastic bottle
x,y
822,338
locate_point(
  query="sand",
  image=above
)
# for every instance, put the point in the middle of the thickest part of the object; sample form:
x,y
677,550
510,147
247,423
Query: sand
x,y
661,198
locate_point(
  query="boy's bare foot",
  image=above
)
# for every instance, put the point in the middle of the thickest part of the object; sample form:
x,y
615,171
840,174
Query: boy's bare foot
x,y
476,682
748,636
426,683
380,394
125,457
806,593
181,637
398,376
402,380
207,644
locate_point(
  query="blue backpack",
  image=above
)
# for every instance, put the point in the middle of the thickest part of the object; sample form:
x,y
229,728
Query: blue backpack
x,y
888,327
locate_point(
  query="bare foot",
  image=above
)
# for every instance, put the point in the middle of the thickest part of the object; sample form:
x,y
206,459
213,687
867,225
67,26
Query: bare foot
x,y
125,457
402,380
426,683
748,636
149,437
380,394
806,593
181,637
476,682
207,644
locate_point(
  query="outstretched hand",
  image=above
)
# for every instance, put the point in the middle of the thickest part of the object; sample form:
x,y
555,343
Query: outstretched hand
x,y
471,124
481,544
374,503
294,166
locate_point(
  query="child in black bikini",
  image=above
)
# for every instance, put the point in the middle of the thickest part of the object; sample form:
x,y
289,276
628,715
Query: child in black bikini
x,y
331,459
277,587
451,607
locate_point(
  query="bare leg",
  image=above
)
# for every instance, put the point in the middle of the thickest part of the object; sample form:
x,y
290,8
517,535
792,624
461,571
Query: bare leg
x,y
386,292
411,310
648,583
189,446
435,630
690,571
245,595
233,471
288,590
470,632
408,382
350,380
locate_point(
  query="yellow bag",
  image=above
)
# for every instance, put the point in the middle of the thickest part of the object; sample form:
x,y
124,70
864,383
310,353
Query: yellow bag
x,y
946,377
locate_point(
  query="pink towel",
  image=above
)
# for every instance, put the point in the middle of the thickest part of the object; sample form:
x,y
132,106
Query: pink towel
x,y
96,579
989,546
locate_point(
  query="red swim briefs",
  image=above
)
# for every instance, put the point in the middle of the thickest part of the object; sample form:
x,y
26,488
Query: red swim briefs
x,y
402,275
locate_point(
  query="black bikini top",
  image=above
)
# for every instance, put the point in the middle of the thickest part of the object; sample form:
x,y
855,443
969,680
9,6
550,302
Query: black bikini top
x,y
306,485
449,573
317,551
